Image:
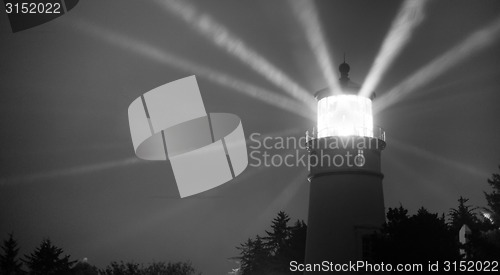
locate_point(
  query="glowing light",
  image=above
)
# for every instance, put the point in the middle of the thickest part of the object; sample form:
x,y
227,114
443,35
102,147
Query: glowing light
x,y
308,18
471,45
345,115
488,216
219,35
409,16
160,55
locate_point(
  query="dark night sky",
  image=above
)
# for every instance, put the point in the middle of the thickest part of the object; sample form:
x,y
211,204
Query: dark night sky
x,y
68,169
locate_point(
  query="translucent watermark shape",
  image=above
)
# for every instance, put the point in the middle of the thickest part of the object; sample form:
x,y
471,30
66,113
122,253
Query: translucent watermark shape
x,y
170,123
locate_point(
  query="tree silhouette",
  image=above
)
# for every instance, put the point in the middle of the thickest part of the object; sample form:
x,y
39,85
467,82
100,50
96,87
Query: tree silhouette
x,y
277,239
277,243
464,214
298,242
122,268
254,257
417,239
493,198
485,244
9,263
272,254
178,268
155,268
396,217
84,268
47,259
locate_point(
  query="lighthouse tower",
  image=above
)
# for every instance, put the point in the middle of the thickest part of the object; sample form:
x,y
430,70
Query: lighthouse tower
x,y
346,201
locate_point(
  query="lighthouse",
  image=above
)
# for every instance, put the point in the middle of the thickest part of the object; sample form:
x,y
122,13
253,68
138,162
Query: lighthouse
x,y
346,202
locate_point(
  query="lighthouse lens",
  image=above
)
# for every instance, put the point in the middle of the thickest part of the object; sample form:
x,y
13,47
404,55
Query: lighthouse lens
x,y
345,115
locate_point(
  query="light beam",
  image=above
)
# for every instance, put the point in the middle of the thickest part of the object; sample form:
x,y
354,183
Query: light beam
x,y
159,55
408,18
309,20
283,199
72,171
430,156
472,44
220,36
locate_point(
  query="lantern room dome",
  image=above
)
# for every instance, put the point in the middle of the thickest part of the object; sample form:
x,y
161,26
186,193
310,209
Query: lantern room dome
x,y
344,68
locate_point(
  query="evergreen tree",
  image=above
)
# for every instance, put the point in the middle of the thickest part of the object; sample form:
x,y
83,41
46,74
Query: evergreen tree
x,y
271,255
417,239
122,268
9,263
395,217
47,259
493,198
298,242
277,242
254,257
485,244
155,268
434,238
277,239
84,268
464,214
178,268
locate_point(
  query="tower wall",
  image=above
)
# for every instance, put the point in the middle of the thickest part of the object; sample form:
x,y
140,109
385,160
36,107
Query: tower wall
x,y
346,201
